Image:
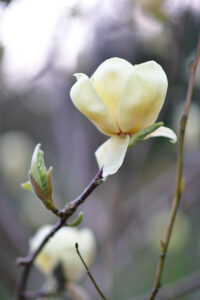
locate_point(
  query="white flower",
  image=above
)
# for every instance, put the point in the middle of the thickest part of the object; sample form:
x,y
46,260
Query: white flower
x,y
61,249
121,99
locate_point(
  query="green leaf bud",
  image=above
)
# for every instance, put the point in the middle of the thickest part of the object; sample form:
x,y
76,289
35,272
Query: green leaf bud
x,y
140,135
40,179
77,221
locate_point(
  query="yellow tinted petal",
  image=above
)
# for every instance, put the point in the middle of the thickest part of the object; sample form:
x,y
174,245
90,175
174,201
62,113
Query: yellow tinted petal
x,y
86,99
44,264
163,132
101,153
111,154
142,97
109,79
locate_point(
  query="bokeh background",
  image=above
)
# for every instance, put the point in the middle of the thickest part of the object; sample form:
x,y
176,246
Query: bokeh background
x,y
42,43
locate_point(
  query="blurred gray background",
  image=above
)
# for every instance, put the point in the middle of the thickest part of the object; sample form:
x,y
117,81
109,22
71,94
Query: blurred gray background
x,y
42,43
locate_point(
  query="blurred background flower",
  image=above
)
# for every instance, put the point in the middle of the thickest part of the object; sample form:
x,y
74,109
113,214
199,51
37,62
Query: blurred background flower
x,y
192,134
42,43
15,150
61,250
156,225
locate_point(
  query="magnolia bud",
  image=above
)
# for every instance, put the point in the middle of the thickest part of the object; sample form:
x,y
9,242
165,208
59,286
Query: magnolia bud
x,y
40,179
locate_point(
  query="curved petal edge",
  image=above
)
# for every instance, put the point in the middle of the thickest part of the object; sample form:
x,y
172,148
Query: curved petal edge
x,y
86,99
142,97
111,154
163,132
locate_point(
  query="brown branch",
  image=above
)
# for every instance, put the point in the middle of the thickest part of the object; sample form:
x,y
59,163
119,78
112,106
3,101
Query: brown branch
x,y
185,286
179,178
67,212
89,273
39,294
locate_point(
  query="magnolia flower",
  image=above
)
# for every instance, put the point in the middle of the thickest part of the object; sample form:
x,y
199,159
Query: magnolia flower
x,y
121,100
61,249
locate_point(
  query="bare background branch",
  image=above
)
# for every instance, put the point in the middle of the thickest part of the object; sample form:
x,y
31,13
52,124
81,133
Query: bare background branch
x,y
180,181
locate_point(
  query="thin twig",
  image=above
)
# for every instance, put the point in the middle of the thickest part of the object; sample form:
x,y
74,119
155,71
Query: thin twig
x,y
185,286
67,212
40,294
179,179
89,273
70,289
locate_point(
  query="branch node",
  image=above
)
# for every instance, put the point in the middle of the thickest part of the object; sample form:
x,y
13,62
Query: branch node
x,y
23,261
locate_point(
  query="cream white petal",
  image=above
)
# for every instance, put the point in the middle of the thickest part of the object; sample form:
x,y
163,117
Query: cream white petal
x,y
109,79
111,154
61,249
163,132
101,153
142,97
86,99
